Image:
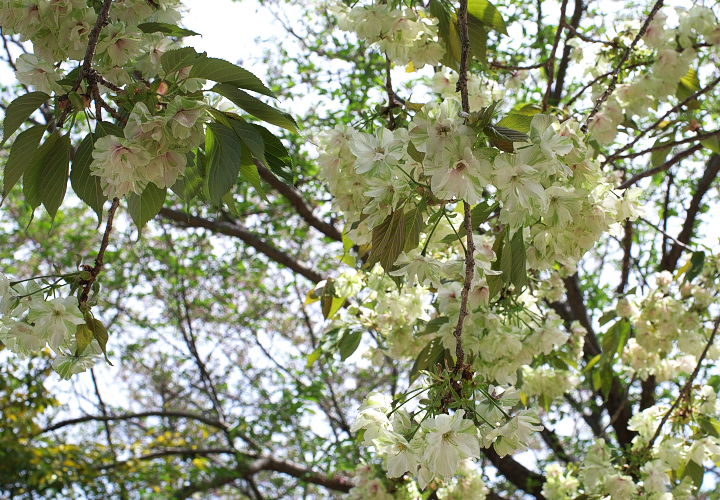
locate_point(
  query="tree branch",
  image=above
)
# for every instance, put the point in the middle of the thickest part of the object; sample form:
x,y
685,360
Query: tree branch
x,y
297,200
236,230
683,239
529,481
616,72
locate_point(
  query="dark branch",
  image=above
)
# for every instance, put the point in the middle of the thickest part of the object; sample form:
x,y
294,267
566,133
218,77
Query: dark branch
x,y
297,200
183,219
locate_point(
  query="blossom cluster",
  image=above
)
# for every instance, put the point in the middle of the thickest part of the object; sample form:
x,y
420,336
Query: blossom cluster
x,y
674,50
670,324
159,134
407,36
31,321
154,148
437,447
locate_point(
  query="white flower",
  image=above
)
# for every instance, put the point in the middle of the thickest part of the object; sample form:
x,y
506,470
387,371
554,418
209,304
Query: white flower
x,y
38,74
517,182
418,269
515,434
21,338
375,153
54,319
120,164
462,178
449,440
67,364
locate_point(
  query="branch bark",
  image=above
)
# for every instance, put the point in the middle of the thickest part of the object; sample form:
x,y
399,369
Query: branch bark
x,y
297,200
236,230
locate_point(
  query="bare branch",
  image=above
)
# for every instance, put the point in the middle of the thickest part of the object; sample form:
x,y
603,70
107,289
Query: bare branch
x,y
236,230
297,200
616,72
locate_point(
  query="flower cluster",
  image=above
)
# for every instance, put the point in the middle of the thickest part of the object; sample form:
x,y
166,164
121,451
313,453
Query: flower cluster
x,y
160,133
30,322
154,148
674,55
670,325
407,36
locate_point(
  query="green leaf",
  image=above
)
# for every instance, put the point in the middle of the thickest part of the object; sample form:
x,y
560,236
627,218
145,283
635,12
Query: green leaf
x,y
55,175
413,227
658,156
175,60
447,29
518,272
349,343
478,35
712,143
592,363
696,472
21,154
249,172
168,29
33,177
709,425
224,157
434,325
503,137
430,355
106,128
610,315
276,154
224,72
251,138
614,339
487,13
516,121
20,110
388,241
101,335
83,337
256,107
697,262
86,185
313,357
144,207
688,85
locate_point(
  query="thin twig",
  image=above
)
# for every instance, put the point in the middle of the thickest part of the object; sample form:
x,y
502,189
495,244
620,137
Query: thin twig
x,y
470,248
698,137
97,268
662,167
657,122
685,392
550,67
616,72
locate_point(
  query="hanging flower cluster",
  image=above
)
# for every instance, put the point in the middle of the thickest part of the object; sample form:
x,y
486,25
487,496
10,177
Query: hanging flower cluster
x,y
32,318
407,36
674,52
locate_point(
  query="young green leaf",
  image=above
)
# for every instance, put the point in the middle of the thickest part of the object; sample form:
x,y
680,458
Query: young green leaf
x,y
176,59
86,185
24,148
144,207
256,107
349,343
224,72
20,110
388,241
33,176
487,13
53,185
166,28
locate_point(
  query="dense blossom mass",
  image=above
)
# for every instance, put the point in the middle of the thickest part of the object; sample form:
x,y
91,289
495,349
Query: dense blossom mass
x,y
468,214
